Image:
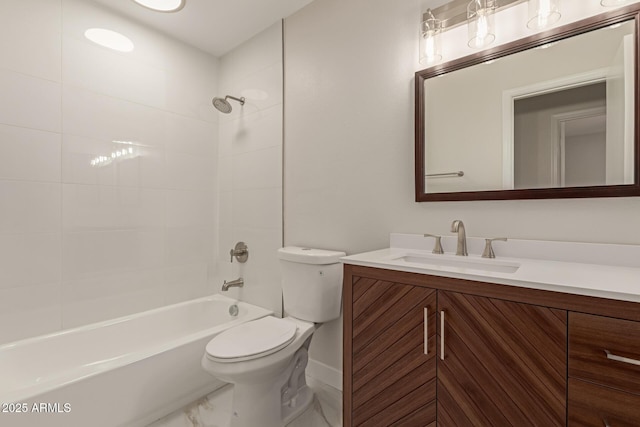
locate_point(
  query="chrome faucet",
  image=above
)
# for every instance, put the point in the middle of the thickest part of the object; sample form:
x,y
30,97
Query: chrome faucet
x,y
238,283
457,226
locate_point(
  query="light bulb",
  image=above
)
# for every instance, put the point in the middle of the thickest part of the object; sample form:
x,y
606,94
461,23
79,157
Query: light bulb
x,y
543,13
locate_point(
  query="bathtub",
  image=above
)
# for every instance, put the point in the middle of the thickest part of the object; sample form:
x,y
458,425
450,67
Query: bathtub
x,y
128,371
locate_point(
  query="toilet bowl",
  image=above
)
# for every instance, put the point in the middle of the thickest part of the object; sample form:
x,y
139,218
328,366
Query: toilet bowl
x,y
269,385
265,359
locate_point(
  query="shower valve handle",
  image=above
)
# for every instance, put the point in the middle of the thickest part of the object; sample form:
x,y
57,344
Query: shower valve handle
x,y
240,252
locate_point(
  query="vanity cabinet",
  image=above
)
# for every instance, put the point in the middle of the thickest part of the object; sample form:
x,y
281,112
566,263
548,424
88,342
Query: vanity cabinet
x,y
494,355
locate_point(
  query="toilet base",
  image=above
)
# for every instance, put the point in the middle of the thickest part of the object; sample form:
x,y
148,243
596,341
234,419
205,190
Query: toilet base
x,y
303,401
274,403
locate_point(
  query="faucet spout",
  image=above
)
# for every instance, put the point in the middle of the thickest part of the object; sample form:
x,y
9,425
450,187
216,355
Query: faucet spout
x,y
457,226
238,283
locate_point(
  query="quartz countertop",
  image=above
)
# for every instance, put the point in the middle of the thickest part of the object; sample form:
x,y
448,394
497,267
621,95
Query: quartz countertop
x,y
580,270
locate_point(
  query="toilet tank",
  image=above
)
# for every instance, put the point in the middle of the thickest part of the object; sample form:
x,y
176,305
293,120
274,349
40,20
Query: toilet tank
x,y
311,283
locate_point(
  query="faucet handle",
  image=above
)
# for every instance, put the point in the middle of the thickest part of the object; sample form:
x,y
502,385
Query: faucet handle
x,y
437,249
240,252
488,249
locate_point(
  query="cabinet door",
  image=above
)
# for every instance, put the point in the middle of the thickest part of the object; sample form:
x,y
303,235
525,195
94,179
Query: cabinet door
x,y
504,363
393,367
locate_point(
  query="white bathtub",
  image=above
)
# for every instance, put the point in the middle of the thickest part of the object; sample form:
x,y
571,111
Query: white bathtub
x,y
128,371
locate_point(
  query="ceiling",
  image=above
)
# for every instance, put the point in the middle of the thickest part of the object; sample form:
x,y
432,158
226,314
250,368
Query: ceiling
x,y
215,26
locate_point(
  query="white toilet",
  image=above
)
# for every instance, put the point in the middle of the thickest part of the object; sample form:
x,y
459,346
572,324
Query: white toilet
x,y
266,358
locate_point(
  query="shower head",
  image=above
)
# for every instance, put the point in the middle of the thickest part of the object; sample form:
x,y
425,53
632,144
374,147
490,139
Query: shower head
x,y
223,105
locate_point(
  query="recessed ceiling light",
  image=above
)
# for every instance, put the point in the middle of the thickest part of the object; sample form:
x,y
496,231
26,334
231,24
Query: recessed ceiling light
x,y
110,39
162,5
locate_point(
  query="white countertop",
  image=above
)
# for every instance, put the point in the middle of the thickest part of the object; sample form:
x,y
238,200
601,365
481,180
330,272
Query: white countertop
x,y
578,273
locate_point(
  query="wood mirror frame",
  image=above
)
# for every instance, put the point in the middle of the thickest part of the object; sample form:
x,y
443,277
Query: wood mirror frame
x,y
631,12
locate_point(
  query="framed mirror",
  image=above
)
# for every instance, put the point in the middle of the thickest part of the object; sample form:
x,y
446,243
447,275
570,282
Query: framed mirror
x,y
555,115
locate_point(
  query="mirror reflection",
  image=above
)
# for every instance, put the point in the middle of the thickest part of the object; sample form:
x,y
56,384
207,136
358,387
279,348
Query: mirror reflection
x,y
560,115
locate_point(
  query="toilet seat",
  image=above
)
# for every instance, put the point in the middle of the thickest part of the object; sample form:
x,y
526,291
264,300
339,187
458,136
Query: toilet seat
x,y
251,340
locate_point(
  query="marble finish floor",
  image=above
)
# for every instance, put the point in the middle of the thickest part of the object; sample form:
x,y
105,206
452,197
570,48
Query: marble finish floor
x,y
214,410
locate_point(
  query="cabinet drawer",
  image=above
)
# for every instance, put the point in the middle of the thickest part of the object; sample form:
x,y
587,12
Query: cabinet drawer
x,y
605,351
591,405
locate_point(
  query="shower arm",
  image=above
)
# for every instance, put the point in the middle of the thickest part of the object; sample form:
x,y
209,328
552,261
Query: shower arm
x,y
240,100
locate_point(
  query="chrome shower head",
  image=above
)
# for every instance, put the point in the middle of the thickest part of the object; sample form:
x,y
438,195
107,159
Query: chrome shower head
x,y
223,105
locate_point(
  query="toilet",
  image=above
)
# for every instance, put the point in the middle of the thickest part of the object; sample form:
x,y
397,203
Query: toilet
x,y
265,359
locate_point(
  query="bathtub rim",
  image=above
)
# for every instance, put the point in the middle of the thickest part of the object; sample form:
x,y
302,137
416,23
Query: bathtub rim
x,y
88,370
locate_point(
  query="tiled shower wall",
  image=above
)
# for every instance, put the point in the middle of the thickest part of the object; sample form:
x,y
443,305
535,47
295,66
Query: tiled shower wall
x,y
250,168
82,240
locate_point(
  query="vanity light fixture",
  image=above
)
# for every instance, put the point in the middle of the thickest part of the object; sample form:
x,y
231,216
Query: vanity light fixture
x,y
162,5
480,23
109,39
430,29
543,13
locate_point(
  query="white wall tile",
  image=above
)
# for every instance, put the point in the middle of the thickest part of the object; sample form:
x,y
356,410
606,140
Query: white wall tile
x,y
256,131
30,155
30,37
28,259
261,208
29,311
80,15
186,282
111,295
100,208
92,67
225,173
105,118
144,168
262,89
148,168
186,171
29,101
29,207
190,208
92,254
259,52
188,245
250,169
258,169
225,226
191,136
189,91
101,238
227,130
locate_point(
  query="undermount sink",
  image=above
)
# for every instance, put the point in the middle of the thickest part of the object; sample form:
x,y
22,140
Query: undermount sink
x,y
447,262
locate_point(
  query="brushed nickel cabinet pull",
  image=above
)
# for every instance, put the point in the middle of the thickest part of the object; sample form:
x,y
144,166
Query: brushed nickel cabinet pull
x,y
426,330
442,335
612,356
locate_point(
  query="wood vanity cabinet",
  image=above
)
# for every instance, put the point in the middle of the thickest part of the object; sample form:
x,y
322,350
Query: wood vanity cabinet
x,y
393,366
510,356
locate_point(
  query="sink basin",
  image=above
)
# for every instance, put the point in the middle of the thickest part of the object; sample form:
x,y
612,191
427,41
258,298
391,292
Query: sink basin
x,y
458,262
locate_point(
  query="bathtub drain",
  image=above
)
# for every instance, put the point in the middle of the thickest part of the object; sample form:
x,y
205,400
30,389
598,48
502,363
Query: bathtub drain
x,y
233,310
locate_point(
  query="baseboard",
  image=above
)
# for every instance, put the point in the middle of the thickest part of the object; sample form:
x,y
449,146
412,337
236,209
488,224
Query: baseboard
x,y
325,373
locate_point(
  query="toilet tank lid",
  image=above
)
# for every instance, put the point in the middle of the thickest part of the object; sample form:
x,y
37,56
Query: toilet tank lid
x,y
309,256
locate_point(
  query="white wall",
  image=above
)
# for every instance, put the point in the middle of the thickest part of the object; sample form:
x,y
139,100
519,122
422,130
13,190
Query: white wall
x,y
250,168
349,175
81,243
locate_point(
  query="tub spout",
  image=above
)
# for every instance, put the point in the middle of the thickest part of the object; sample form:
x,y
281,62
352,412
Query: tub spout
x,y
238,283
